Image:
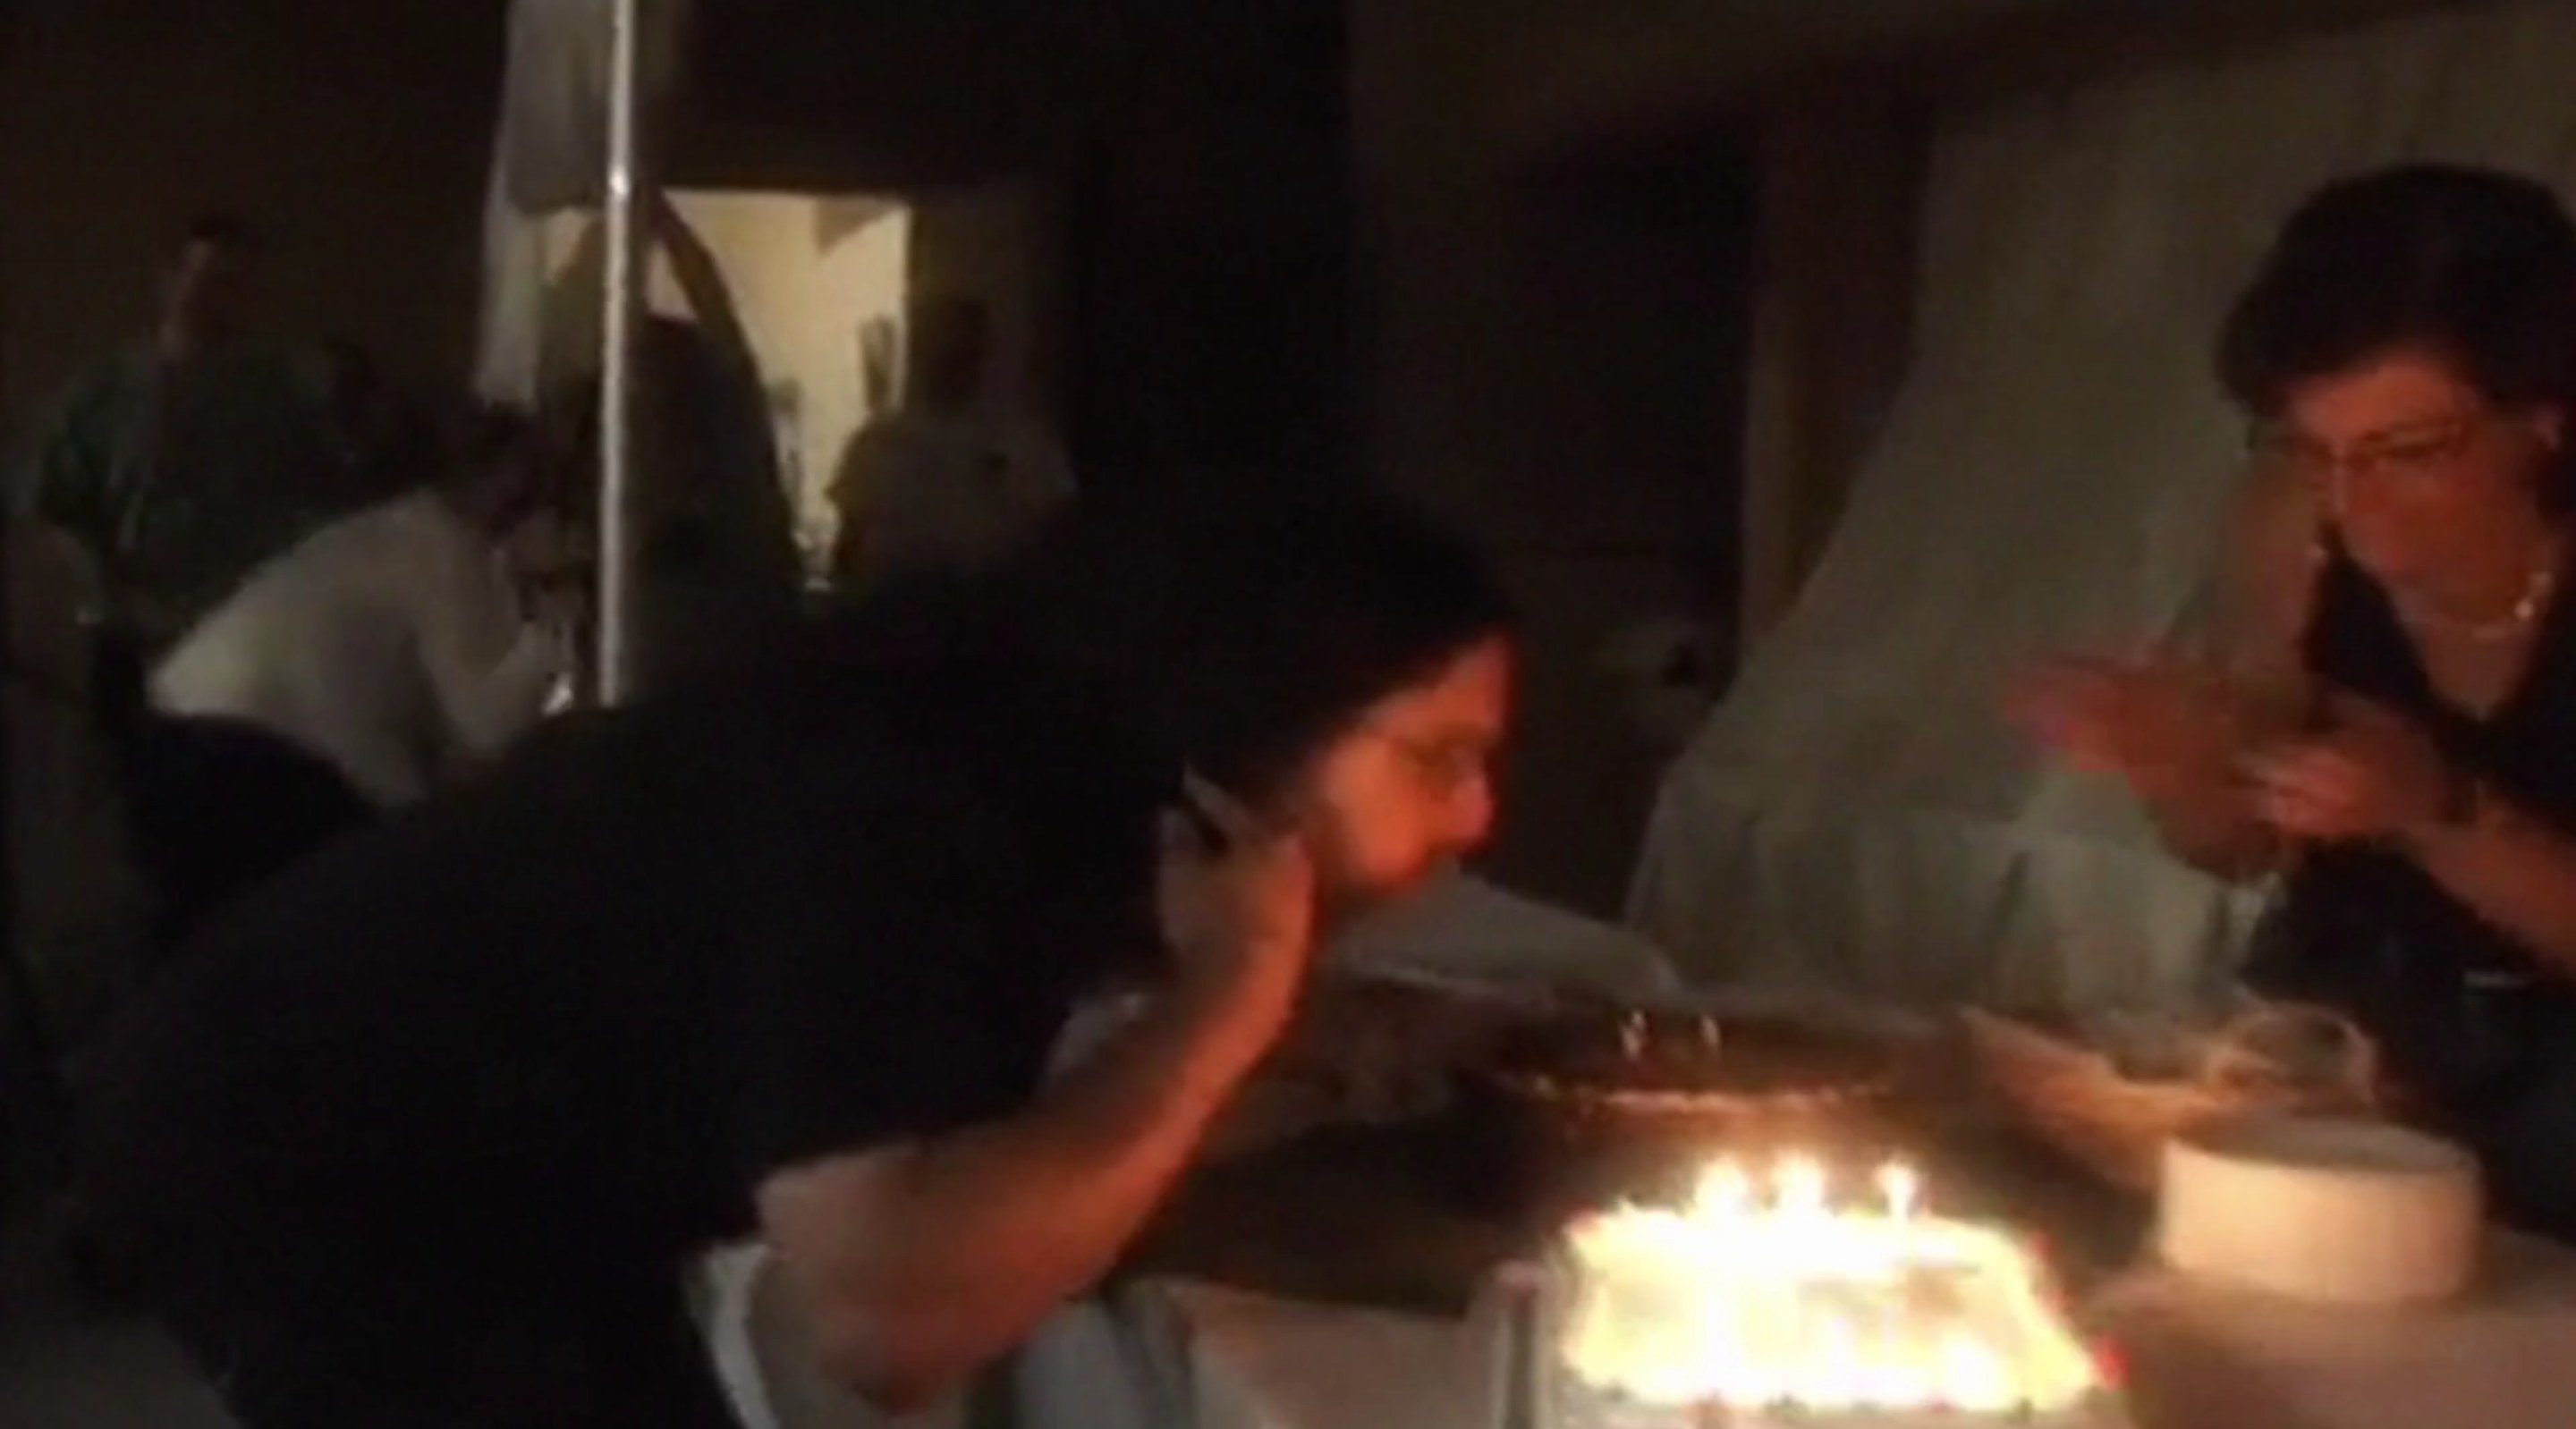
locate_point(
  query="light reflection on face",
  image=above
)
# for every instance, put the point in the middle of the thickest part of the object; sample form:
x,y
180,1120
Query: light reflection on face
x,y
1408,788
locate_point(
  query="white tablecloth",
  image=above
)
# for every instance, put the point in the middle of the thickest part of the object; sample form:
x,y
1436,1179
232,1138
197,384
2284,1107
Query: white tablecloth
x,y
2208,1359
2198,1358
1261,1363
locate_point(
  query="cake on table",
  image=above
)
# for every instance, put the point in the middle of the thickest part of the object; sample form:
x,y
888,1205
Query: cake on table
x,y
1763,1305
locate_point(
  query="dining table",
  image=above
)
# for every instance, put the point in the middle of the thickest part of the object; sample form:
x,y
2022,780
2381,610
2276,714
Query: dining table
x,y
1342,1281
1344,1278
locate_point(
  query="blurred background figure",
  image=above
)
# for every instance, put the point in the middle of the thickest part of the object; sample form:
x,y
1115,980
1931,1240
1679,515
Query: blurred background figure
x,y
952,479
717,564
183,463
388,653
411,640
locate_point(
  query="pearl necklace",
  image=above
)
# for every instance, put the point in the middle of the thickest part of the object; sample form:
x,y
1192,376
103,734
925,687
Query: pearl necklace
x,y
2536,590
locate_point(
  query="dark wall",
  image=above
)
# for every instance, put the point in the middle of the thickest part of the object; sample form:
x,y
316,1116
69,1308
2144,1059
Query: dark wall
x,y
356,136
1211,284
1614,362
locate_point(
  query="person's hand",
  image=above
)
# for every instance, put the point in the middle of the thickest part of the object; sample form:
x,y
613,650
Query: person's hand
x,y
1236,901
2374,774
2156,722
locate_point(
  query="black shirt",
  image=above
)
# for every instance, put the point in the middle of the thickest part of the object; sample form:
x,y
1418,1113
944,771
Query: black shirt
x,y
578,1011
2469,1020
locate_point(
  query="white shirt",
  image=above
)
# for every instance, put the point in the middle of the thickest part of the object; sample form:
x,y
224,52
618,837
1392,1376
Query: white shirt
x,y
943,491
391,643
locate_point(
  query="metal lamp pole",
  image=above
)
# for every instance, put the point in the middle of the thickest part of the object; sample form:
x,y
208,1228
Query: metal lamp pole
x,y
627,200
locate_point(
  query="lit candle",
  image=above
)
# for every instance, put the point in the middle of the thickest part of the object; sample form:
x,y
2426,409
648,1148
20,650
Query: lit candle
x,y
1724,1192
1798,1186
1899,1187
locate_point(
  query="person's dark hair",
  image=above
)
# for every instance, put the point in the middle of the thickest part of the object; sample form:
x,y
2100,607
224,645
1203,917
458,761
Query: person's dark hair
x,y
688,392
2475,265
486,432
1235,642
485,441
1237,639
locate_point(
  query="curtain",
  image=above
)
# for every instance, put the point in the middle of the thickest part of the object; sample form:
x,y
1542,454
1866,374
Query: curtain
x,y
550,154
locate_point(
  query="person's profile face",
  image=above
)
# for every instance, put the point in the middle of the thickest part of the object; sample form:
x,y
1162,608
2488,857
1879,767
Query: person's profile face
x,y
1407,788
2414,464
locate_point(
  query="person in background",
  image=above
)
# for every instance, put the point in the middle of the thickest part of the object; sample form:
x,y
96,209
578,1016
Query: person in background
x,y
792,953
181,465
949,480
379,444
77,913
717,565
2391,725
409,642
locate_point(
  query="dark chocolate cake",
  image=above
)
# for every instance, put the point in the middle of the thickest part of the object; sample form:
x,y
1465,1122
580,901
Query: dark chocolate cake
x,y
1680,1061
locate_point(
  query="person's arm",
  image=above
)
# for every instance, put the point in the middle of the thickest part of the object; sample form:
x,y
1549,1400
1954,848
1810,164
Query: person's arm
x,y
2512,870
2204,810
919,1262
917,1258
702,286
2375,775
489,666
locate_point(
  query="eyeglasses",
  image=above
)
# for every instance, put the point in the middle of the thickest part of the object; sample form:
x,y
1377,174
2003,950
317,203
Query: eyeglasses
x,y
2414,454
1445,766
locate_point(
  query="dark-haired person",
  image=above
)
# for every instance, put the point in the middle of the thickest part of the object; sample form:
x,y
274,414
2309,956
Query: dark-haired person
x,y
185,462
2394,730
425,1133
717,564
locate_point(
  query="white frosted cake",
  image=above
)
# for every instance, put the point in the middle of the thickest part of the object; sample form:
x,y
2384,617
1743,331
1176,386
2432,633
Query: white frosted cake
x,y
1733,1313
2334,1211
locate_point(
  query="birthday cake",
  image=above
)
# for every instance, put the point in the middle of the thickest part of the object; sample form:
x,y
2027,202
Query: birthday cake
x,y
1664,1061
1746,1311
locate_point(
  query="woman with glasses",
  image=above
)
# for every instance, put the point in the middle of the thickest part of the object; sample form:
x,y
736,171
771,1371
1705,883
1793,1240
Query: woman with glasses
x,y
2391,725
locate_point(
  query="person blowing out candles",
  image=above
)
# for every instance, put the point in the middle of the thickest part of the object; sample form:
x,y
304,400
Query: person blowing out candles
x,y
424,1132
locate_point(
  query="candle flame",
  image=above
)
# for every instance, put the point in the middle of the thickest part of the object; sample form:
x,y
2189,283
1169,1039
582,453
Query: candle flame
x,y
1760,1291
1899,1188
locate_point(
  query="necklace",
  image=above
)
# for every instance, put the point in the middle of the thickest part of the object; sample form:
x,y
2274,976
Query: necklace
x,y
2536,590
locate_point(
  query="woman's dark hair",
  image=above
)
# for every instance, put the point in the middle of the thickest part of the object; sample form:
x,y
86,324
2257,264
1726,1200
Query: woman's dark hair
x,y
2476,265
481,442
